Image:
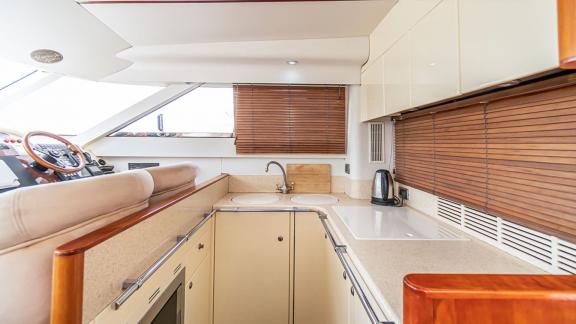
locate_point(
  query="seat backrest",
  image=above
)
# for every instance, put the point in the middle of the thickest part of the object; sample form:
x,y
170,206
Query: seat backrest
x,y
171,179
35,220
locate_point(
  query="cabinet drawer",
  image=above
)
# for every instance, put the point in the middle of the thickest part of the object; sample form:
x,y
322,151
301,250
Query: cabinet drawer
x,y
200,245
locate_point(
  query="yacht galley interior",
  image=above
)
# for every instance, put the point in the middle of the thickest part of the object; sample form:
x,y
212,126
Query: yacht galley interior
x,y
287,161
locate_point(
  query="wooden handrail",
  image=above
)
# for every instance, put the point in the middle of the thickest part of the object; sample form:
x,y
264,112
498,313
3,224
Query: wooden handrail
x,y
100,235
68,266
485,298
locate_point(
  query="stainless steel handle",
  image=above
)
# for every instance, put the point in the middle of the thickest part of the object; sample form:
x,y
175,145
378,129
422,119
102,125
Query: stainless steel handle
x,y
134,284
352,290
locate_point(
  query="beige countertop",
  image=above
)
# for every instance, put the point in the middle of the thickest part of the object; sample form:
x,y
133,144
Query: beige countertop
x,y
384,263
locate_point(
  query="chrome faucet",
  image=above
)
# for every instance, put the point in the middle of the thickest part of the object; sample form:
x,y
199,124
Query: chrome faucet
x,y
284,187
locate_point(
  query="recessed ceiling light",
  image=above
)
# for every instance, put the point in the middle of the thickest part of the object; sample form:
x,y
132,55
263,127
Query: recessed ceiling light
x,y
46,56
292,62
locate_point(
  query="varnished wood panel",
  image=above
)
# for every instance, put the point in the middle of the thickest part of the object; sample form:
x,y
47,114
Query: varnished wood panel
x,y
67,289
567,33
489,299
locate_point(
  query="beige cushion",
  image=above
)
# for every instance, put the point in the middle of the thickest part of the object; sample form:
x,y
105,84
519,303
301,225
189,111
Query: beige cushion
x,y
36,220
171,179
32,212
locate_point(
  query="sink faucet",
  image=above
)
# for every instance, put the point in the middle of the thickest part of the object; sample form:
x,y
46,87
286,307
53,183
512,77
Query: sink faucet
x,y
284,187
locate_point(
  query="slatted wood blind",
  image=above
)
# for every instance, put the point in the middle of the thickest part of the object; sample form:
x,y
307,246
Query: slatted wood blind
x,y
514,158
290,119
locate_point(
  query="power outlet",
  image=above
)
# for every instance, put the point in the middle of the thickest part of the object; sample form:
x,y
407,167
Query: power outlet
x,y
347,168
404,193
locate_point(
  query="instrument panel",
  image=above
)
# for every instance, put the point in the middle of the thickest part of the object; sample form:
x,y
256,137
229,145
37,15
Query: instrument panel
x,y
28,172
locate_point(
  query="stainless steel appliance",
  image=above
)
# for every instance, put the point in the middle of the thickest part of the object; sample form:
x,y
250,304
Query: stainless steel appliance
x,y
383,189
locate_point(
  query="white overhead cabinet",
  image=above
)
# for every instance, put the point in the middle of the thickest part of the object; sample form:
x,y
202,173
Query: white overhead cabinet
x,y
425,51
372,91
435,68
501,40
397,76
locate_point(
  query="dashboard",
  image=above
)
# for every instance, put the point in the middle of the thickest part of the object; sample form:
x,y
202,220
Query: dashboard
x,y
18,169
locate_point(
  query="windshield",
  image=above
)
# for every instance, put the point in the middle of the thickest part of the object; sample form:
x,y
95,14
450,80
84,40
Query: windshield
x,y
62,105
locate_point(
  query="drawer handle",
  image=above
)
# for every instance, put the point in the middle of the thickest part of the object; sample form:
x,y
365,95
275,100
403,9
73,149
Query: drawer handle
x,y
200,246
344,275
190,285
352,290
280,238
151,298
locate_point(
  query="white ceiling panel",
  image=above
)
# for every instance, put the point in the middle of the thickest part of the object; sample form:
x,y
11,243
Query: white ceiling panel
x,y
89,47
181,23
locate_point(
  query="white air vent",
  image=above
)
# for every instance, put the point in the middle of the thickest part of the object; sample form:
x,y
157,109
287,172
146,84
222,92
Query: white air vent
x,y
377,142
567,256
450,210
542,250
527,241
481,223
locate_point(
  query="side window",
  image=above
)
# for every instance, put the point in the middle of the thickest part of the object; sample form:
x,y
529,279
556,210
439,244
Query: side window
x,y
207,111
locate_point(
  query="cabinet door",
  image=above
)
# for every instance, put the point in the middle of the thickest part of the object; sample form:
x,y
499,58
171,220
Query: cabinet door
x,y
372,91
310,268
397,76
435,66
252,268
338,288
199,295
502,40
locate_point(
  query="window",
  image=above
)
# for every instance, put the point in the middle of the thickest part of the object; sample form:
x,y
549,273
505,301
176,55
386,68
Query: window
x,y
207,111
12,72
513,156
69,106
290,119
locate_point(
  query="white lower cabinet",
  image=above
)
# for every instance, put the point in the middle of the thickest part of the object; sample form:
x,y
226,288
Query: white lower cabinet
x,y
199,295
252,268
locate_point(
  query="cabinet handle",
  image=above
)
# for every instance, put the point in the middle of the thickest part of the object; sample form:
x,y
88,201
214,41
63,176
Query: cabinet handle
x,y
190,285
200,246
280,238
325,236
344,275
352,291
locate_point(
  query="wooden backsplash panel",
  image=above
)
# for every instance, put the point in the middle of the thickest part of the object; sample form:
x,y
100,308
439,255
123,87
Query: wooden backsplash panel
x,y
310,178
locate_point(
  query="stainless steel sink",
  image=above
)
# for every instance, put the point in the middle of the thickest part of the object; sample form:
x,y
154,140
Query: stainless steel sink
x,y
257,199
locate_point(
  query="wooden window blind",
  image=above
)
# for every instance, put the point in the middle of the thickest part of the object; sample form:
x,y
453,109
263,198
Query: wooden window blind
x,y
513,157
290,119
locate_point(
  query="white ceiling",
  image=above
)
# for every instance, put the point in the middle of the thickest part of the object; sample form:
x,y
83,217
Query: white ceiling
x,y
181,23
88,46
195,42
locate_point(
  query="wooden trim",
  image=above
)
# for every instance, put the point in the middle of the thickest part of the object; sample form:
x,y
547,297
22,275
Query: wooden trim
x,y
68,267
100,235
67,289
567,33
475,298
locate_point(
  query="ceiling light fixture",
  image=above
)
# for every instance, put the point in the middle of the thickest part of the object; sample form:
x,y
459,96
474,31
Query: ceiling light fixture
x,y
46,56
291,62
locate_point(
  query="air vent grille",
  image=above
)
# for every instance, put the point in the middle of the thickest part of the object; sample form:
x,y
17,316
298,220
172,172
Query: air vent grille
x,y
377,142
567,256
545,251
527,241
481,223
450,210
